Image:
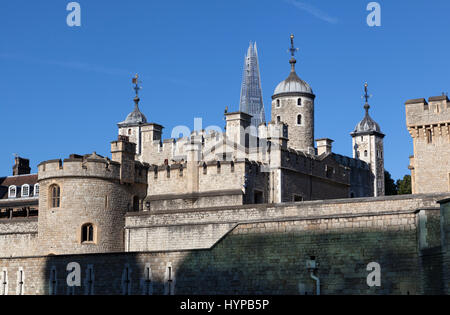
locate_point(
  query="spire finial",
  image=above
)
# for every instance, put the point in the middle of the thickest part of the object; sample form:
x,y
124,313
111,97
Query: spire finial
x,y
137,86
292,51
366,96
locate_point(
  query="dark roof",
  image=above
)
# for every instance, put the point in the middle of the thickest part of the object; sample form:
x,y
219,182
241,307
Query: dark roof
x,y
367,125
135,118
416,100
18,181
438,98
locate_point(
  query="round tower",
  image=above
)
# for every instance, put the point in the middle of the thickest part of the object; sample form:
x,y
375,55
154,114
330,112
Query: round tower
x,y
368,146
293,104
82,206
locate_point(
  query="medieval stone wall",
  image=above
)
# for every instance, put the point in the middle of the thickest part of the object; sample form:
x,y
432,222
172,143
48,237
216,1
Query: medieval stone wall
x,y
428,124
18,237
260,256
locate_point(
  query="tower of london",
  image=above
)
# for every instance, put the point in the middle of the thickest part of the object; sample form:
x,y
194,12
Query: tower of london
x,y
264,209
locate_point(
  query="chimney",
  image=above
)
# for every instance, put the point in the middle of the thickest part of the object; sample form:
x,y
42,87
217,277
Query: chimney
x,y
123,151
21,166
237,129
324,146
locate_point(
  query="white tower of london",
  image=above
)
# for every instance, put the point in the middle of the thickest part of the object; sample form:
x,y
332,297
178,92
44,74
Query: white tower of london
x,y
293,104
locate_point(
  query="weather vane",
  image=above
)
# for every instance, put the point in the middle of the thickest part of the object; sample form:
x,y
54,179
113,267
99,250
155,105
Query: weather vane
x,y
137,86
366,93
293,50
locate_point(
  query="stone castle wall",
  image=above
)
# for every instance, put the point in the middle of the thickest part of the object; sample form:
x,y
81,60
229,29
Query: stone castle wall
x,y
265,252
429,126
19,237
91,193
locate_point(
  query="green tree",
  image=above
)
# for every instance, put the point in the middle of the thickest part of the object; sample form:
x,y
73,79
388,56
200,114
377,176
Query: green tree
x,y
404,185
389,184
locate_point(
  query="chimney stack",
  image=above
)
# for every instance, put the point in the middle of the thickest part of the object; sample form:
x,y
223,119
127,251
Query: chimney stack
x,y
21,166
324,146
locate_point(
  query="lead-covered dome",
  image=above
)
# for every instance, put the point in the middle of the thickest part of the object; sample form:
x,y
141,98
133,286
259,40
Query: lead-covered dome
x,y
293,84
367,125
135,117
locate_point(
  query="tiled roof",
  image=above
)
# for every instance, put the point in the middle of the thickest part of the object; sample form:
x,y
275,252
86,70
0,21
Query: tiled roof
x,y
18,181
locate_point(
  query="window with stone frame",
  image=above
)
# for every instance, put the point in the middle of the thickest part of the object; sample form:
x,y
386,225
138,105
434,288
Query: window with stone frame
x,y
219,166
55,196
36,190
87,233
429,136
299,102
136,203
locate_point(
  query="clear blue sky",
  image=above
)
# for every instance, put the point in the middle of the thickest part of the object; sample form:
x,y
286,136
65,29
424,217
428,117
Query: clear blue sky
x,y
62,89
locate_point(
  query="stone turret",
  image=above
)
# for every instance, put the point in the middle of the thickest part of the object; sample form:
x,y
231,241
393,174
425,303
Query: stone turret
x,y
238,127
82,205
293,104
123,152
429,126
368,146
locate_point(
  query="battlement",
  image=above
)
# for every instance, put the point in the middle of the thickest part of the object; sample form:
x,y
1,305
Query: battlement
x,y
209,145
435,111
91,165
325,166
176,178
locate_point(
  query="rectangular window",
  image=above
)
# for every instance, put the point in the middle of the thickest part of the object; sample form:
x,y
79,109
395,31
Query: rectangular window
x,y
126,281
148,285
429,136
329,171
12,192
53,285
25,191
56,193
89,289
258,197
4,282
20,282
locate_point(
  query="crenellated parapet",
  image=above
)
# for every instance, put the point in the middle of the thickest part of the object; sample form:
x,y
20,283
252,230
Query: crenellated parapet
x,y
428,118
428,123
91,165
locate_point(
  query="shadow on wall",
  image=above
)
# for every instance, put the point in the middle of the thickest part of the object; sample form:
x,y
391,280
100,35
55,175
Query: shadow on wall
x,y
105,274
262,262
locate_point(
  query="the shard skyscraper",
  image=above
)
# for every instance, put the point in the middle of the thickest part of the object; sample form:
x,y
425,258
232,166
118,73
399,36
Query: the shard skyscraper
x,y
251,92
